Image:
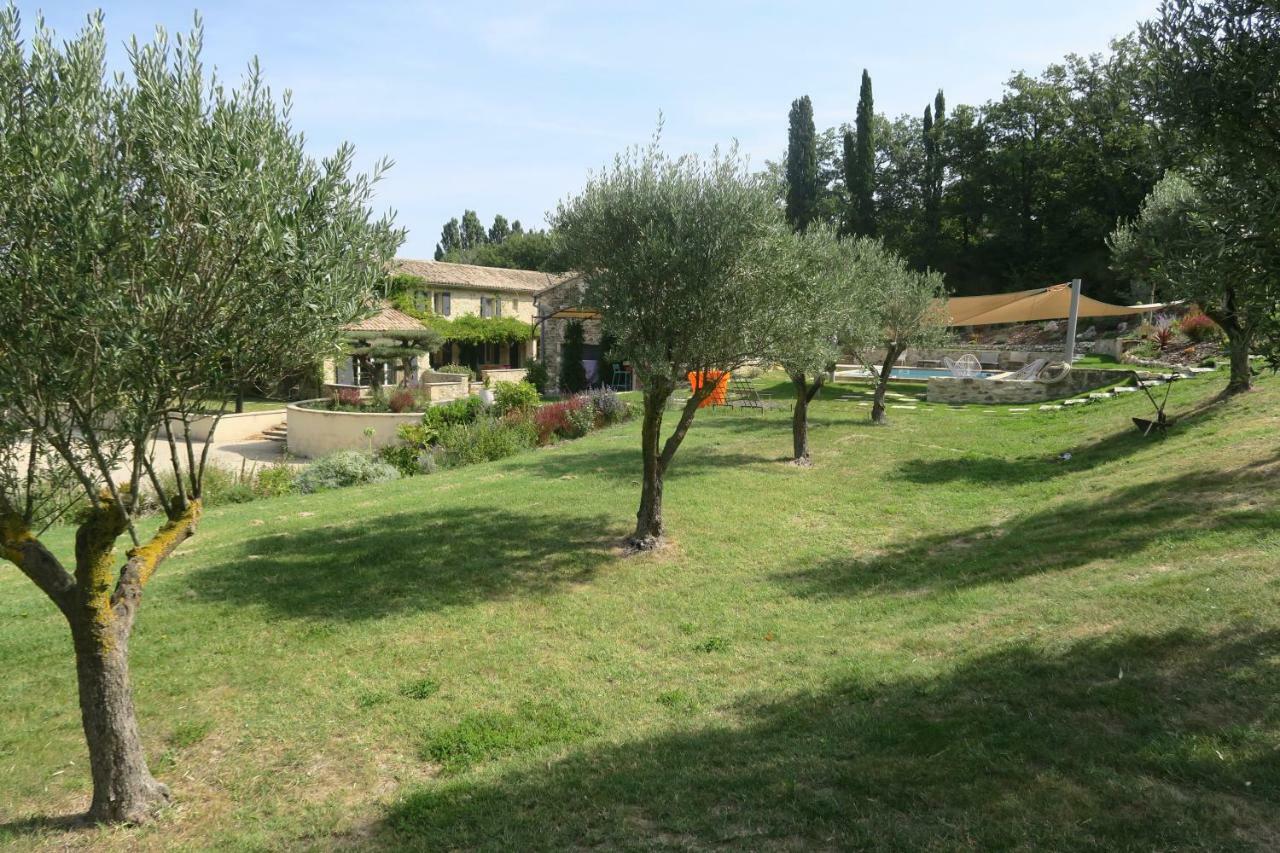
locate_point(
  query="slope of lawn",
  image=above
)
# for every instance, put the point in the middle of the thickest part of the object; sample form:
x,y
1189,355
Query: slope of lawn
x,y
940,637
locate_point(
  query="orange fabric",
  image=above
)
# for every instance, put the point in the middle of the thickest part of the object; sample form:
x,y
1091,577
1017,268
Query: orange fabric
x,y
1045,303
720,395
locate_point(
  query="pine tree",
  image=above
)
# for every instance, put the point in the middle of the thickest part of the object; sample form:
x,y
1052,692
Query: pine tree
x,y
802,165
860,165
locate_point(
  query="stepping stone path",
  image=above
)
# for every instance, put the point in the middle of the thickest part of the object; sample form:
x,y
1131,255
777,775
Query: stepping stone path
x,y
1050,408
1125,389
1018,411
1079,401
902,407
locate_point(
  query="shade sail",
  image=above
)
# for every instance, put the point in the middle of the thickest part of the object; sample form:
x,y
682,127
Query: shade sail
x,y
1024,306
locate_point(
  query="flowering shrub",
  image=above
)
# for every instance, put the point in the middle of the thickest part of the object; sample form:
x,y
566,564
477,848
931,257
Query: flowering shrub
x,y
486,440
608,406
553,419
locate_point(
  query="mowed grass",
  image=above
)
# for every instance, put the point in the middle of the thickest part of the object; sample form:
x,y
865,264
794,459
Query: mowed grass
x,y
940,637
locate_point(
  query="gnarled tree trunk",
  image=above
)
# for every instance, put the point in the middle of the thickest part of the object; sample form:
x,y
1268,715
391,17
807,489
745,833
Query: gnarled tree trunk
x,y
1239,342
882,384
123,787
100,607
805,393
657,456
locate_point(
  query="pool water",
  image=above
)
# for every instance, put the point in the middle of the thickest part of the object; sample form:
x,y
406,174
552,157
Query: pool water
x,y
930,372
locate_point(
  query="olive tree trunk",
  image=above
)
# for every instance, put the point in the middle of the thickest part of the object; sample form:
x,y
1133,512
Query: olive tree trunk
x,y
882,384
1239,342
805,392
123,787
100,607
657,457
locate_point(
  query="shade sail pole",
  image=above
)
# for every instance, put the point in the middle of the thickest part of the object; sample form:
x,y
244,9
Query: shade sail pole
x,y
1072,317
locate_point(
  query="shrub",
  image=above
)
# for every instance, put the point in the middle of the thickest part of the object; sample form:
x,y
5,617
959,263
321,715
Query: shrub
x,y
486,440
537,375
345,398
1199,328
457,368
609,407
580,420
402,400
514,397
344,468
276,481
464,411
413,455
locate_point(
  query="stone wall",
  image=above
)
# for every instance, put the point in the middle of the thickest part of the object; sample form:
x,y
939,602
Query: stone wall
x,y
316,432
515,374
231,426
952,390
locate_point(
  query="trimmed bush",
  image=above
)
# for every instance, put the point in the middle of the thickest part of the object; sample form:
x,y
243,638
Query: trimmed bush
x,y
344,468
460,369
465,411
514,397
537,375
402,400
276,481
486,440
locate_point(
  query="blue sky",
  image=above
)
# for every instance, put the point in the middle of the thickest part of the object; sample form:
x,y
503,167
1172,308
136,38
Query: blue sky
x,y
505,107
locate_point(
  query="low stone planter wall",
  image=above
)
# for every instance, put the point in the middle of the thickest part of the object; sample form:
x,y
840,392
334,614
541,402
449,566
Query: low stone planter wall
x,y
949,389
231,427
443,387
316,432
504,374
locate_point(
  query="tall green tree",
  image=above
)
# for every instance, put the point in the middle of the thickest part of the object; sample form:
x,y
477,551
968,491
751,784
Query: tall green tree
x,y
472,233
1195,240
450,237
860,165
676,299
573,374
499,230
165,239
802,165
1215,86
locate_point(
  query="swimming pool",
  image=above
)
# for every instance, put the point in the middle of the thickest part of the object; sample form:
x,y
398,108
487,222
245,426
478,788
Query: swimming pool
x,y
931,372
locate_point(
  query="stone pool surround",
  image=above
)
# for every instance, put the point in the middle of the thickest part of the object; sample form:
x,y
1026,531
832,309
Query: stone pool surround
x,y
951,389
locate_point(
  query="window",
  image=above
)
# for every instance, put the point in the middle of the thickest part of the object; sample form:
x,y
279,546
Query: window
x,y
442,303
490,306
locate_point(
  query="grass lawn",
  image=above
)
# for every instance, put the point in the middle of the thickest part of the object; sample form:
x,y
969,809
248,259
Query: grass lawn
x,y
940,637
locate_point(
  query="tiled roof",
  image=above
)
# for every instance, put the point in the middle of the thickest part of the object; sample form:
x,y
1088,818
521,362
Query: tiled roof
x,y
480,278
385,319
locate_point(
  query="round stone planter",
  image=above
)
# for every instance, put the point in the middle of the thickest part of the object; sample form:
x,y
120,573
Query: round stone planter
x,y
316,432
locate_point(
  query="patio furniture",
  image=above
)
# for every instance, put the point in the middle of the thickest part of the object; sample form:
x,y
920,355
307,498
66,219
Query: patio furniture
x,y
1161,423
743,393
1027,372
966,366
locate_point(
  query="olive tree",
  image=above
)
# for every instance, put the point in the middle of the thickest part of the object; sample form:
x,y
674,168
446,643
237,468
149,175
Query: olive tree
x,y
901,309
162,239
675,254
1199,241
819,276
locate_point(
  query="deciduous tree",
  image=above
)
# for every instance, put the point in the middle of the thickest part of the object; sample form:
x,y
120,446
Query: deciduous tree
x,y
164,239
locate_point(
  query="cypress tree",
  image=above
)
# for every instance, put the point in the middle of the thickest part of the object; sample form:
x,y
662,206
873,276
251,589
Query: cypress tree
x,y
573,376
860,165
802,165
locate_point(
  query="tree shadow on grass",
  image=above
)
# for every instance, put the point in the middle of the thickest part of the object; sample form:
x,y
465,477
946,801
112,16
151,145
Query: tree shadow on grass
x,y
1060,537
998,471
417,560
1138,742
623,464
